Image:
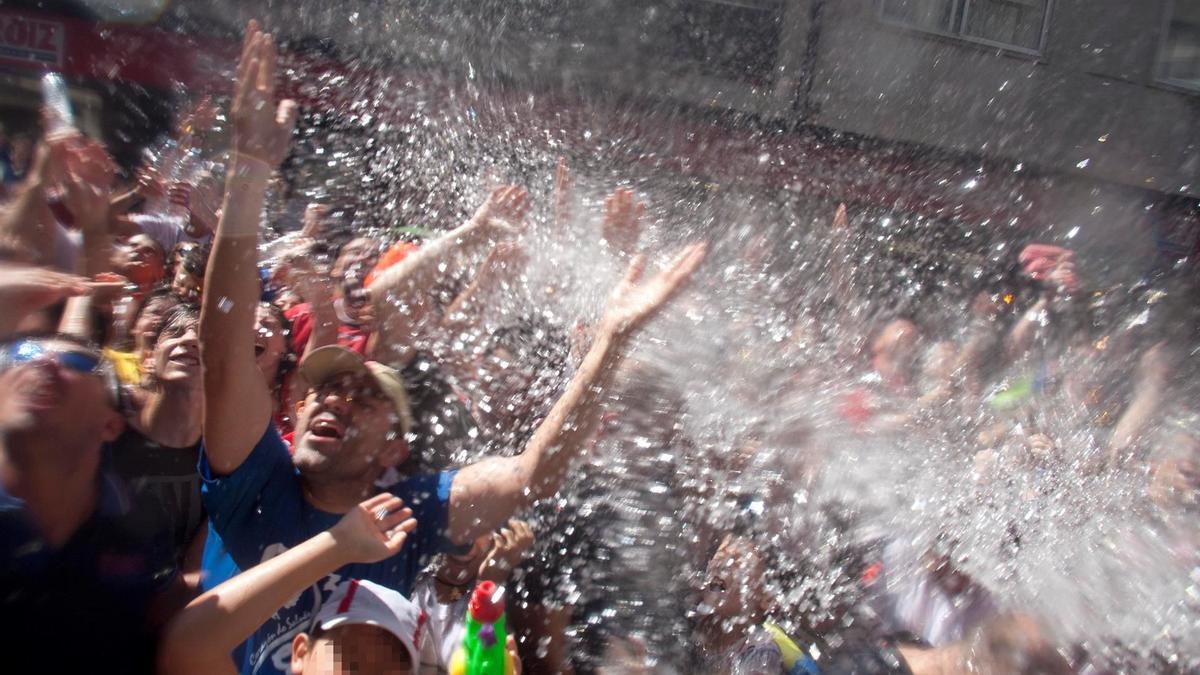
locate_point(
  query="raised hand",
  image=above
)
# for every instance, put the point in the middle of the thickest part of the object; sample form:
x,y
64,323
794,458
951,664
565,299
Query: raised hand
x,y
298,272
503,213
504,259
563,187
633,300
260,129
508,547
88,203
78,170
841,219
25,289
374,530
315,217
77,156
622,221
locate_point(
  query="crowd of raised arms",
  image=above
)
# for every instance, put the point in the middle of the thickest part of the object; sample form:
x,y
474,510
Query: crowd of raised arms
x,y
223,453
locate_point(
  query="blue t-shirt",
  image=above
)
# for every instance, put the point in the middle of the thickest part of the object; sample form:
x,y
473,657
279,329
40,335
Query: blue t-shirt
x,y
97,588
258,511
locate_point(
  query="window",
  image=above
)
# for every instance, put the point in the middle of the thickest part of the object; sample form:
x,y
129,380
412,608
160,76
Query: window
x,y
1179,62
1016,24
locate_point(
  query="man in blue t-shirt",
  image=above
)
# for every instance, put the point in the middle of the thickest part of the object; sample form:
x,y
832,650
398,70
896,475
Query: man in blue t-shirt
x,y
353,424
75,559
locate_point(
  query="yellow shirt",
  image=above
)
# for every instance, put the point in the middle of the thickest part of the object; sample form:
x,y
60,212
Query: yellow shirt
x,y
126,365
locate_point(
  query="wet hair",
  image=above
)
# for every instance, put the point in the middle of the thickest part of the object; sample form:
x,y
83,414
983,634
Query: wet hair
x,y
161,294
192,257
181,310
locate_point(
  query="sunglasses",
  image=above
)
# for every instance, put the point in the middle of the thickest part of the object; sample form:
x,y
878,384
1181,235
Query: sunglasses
x,y
84,362
351,390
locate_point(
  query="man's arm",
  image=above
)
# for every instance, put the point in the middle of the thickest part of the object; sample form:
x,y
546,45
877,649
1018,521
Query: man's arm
x,y
24,289
237,401
201,637
399,293
484,495
27,225
1149,396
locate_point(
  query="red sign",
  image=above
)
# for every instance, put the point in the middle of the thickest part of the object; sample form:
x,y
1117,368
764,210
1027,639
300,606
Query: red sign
x,y
31,41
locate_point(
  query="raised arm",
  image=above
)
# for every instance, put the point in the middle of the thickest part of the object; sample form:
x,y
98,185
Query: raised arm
x,y
88,174
237,401
399,293
27,225
1149,395
201,637
1020,337
25,289
485,494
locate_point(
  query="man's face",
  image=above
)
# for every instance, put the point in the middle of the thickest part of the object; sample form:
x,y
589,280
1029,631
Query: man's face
x,y
348,428
360,649
148,324
177,354
140,260
457,570
356,259
270,342
54,391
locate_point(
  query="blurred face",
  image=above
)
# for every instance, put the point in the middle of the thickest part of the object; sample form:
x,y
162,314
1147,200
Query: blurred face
x,y
897,344
20,151
356,259
186,285
55,392
358,649
140,260
177,354
348,429
990,306
733,592
458,570
270,342
149,322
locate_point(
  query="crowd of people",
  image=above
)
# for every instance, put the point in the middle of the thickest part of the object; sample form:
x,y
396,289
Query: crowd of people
x,y
222,451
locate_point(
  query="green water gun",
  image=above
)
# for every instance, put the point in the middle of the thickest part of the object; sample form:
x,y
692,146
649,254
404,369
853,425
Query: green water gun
x,y
483,649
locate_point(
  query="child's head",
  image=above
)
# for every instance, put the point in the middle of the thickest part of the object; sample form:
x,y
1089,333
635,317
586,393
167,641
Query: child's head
x,y
362,628
734,596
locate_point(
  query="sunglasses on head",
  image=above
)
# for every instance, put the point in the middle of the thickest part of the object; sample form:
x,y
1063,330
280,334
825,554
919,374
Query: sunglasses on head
x,y
78,359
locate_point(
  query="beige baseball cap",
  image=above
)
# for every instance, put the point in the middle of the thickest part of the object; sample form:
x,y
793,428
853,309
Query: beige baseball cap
x,y
331,360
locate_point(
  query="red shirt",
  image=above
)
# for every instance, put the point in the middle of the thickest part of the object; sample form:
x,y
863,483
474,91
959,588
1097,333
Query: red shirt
x,y
349,336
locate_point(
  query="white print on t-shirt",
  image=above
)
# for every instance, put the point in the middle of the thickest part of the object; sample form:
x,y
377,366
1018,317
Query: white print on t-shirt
x,y
291,619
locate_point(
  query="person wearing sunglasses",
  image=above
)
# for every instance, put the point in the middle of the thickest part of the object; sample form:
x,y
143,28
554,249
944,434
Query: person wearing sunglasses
x,y
70,556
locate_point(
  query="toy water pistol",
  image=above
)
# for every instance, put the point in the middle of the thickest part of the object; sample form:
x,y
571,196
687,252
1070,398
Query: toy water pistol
x,y
483,649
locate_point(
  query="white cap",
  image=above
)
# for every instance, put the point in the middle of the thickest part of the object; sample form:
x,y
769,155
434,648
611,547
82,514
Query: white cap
x,y
364,602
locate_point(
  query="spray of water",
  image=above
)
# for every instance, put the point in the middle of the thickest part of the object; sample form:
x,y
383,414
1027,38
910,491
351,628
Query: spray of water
x,y
754,401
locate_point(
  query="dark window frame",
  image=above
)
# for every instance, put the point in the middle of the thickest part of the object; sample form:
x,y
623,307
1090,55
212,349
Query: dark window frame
x,y
1160,63
960,14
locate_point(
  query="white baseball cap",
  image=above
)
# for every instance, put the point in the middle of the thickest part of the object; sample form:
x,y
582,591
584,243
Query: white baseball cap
x,y
363,602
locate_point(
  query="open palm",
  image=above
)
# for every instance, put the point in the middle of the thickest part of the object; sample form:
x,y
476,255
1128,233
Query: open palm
x,y
261,130
634,300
